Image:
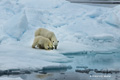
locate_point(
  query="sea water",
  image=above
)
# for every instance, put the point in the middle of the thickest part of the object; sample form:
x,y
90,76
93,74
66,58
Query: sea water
x,y
82,67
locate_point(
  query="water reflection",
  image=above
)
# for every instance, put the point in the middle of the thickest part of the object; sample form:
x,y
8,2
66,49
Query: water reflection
x,y
95,60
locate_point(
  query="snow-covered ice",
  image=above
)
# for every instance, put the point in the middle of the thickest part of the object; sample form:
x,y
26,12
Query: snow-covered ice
x,y
78,28
18,26
6,78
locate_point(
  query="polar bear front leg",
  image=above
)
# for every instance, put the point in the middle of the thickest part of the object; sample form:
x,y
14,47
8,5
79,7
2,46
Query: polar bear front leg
x,y
34,43
46,46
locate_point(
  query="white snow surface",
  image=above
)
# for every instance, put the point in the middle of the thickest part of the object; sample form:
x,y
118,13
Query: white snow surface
x,y
77,27
7,78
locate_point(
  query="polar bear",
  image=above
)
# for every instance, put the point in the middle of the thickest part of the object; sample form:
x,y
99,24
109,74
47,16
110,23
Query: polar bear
x,y
48,34
42,42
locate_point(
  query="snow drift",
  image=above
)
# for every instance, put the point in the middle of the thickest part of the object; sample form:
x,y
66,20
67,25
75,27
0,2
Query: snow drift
x,y
16,26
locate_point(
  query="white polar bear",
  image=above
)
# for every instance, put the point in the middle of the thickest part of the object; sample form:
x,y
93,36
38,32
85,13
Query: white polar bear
x,y
42,42
48,34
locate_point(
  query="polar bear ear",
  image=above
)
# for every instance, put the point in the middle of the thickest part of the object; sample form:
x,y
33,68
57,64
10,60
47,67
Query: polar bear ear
x,y
58,41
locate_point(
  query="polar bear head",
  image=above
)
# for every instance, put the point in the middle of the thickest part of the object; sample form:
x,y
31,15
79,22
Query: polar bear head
x,y
54,40
55,44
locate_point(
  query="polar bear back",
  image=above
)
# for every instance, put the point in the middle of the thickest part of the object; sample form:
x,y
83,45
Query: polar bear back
x,y
42,42
45,33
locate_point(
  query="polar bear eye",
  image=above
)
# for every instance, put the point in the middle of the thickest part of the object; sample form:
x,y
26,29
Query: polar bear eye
x,y
53,41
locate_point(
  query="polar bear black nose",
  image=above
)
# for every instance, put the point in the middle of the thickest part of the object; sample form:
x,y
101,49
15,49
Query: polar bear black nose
x,y
55,47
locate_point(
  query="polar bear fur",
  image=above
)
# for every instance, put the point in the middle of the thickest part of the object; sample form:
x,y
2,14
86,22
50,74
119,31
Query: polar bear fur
x,y
48,34
42,42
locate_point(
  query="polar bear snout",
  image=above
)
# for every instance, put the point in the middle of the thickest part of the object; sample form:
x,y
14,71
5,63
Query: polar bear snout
x,y
55,46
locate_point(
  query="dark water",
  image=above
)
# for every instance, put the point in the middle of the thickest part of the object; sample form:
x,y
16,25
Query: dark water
x,y
70,76
101,3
